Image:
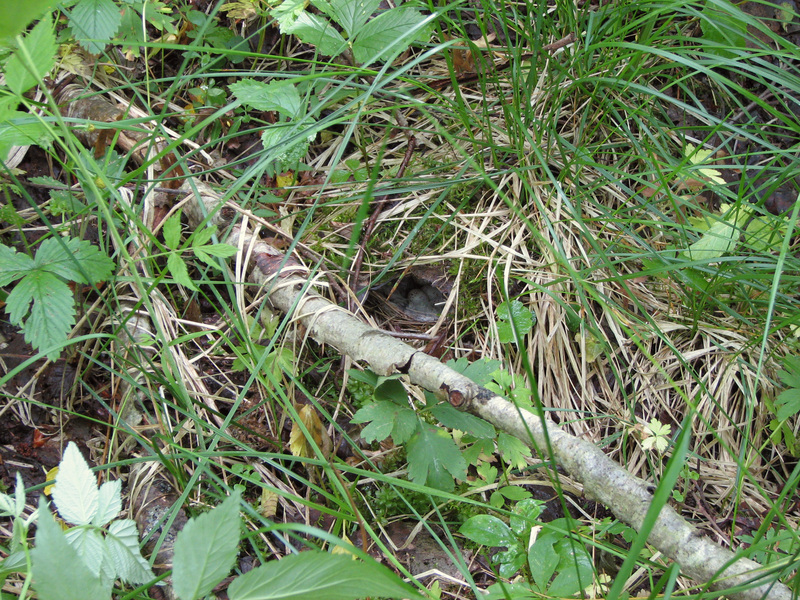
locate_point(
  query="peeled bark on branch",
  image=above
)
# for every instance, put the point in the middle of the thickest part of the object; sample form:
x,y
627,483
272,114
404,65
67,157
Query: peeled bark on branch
x,y
628,497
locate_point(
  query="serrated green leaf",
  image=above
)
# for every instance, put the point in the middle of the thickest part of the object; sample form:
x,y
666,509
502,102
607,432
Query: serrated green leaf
x,y
513,316
95,22
89,545
790,377
788,403
352,14
382,35
52,315
512,450
13,265
180,272
74,260
15,16
122,545
220,250
434,459
202,236
33,59
279,96
284,146
453,418
109,502
388,418
317,575
317,31
287,12
488,530
76,495
205,550
172,231
58,571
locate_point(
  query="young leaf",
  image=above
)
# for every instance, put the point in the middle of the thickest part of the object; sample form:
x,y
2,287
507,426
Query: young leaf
x,y
40,46
317,575
122,547
488,530
180,272
109,502
58,571
172,231
434,459
89,544
76,494
205,550
512,450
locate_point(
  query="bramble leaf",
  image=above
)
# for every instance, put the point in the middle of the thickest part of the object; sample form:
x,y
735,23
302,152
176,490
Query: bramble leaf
x,y
15,16
58,571
76,494
122,546
434,459
52,315
109,502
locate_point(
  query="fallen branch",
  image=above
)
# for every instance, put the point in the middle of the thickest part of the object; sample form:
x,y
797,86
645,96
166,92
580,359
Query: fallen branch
x,y
628,497
286,283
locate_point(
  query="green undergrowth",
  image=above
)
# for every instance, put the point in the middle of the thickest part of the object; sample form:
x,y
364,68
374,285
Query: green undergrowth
x,y
625,191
